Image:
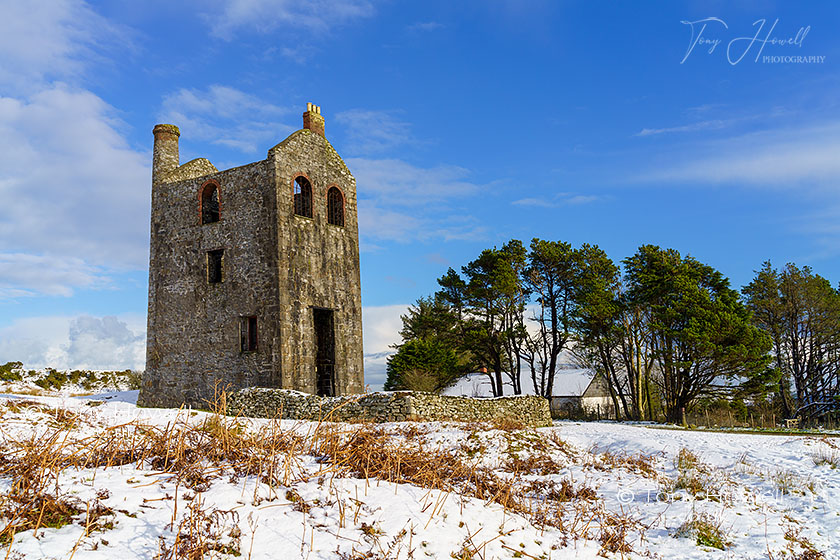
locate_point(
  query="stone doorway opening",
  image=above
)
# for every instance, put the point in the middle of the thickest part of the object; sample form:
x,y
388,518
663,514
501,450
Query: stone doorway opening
x,y
324,352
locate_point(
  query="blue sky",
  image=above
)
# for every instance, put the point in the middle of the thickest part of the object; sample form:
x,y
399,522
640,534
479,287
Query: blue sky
x,y
465,124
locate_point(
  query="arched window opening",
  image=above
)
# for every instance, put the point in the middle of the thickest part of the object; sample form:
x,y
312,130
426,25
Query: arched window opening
x,y
210,204
303,197
335,207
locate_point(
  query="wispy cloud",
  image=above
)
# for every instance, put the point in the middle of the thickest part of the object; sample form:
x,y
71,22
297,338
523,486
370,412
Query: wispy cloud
x,y
425,26
558,200
539,202
228,17
702,121
370,131
384,224
23,275
437,259
226,116
788,157
402,202
714,124
300,54
400,183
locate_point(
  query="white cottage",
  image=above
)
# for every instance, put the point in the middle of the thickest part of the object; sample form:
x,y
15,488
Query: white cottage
x,y
577,392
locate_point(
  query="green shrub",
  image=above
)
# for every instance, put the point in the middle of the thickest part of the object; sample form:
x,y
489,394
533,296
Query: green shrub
x,y
53,380
431,357
11,371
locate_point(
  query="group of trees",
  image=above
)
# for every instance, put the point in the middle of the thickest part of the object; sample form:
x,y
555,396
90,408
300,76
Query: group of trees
x,y
800,311
664,330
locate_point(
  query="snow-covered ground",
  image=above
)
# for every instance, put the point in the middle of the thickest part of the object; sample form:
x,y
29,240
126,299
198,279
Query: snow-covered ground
x,y
575,490
16,379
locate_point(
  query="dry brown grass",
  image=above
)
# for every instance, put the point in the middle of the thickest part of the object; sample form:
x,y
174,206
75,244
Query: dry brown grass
x,y
202,532
192,453
696,478
638,463
799,547
827,453
20,405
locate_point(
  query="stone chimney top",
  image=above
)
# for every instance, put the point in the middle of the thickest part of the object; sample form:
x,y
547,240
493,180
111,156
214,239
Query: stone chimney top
x,y
165,156
313,120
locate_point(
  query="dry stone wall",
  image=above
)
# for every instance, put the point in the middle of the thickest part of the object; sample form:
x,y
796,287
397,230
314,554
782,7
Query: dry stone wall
x,y
387,407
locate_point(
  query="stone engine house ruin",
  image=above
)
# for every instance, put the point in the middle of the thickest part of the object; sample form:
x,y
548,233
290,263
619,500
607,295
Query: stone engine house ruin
x,y
254,273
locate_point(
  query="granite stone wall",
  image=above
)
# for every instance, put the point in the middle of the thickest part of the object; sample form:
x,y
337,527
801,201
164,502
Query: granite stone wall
x,y
386,407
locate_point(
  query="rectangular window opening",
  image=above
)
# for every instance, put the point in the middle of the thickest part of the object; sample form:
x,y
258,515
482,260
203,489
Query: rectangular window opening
x,y
214,266
324,352
248,334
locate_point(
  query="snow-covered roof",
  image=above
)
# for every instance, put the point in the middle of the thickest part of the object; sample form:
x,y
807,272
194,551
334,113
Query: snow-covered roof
x,y
568,382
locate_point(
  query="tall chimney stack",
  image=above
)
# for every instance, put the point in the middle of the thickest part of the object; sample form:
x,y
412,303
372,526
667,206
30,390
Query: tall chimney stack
x,y
165,158
313,120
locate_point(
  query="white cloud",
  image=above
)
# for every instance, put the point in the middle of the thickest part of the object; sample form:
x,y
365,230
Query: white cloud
x,y
219,101
48,39
459,228
376,369
423,225
382,325
75,342
299,19
35,341
781,157
372,131
380,223
582,199
110,342
104,343
23,275
300,54
402,202
715,124
226,116
560,199
425,26
539,202
400,183
75,194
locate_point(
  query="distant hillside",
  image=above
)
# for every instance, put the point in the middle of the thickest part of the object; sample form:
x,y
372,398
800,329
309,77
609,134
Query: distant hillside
x,y
15,378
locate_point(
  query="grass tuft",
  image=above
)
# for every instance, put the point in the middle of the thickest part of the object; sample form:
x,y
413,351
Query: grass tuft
x,y
705,530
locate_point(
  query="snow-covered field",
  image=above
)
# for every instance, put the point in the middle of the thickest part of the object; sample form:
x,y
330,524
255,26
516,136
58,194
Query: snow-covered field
x,y
101,478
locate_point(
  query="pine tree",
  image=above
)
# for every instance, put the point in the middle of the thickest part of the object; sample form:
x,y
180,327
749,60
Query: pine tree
x,y
700,331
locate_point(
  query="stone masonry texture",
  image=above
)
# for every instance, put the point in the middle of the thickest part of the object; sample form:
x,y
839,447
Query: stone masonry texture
x,y
387,407
276,266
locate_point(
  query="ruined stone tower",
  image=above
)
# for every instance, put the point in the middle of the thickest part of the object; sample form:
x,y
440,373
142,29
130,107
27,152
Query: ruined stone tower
x,y
253,273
